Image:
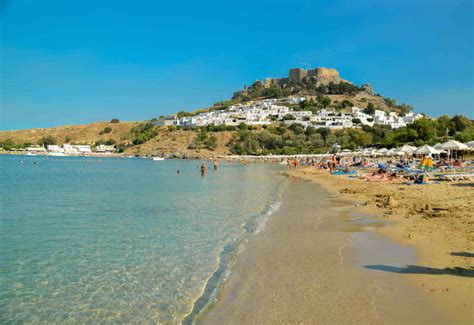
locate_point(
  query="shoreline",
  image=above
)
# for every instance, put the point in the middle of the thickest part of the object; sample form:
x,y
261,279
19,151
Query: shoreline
x,y
249,278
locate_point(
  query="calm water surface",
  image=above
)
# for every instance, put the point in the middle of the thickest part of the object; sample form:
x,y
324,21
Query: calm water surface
x,y
126,240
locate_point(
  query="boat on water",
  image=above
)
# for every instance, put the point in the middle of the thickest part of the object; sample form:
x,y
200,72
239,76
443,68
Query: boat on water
x,y
158,158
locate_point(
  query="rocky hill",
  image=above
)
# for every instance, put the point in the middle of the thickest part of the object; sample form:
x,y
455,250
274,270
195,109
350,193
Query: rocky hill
x,y
318,85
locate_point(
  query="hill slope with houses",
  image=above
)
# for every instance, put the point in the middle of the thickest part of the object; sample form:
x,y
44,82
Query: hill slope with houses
x,y
306,112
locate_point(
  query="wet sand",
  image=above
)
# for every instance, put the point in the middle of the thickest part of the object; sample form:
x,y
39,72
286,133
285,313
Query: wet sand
x,y
316,262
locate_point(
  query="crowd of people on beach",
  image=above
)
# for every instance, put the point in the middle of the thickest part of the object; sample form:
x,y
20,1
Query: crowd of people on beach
x,y
387,169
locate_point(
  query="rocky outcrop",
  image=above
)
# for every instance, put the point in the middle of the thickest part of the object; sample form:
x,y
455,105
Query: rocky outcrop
x,y
368,89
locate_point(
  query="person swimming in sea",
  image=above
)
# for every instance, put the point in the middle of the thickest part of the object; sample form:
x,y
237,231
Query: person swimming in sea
x,y
177,171
203,168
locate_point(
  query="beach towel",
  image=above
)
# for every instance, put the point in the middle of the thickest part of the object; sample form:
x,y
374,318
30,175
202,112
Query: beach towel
x,y
339,172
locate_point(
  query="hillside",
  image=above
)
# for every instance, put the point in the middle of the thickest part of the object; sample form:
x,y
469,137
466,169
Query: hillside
x,y
178,142
167,142
84,133
319,85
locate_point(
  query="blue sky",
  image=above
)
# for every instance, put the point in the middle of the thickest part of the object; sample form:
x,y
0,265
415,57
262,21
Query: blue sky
x,y
79,61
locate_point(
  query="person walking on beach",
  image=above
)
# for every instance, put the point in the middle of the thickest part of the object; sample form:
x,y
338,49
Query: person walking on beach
x,y
203,168
295,162
288,164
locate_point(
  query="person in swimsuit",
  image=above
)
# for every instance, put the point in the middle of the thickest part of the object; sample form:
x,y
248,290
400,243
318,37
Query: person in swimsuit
x,y
203,168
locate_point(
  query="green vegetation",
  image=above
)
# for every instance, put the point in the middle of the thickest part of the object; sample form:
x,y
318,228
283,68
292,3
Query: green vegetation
x,y
106,130
294,139
203,140
8,144
305,87
109,142
47,140
143,132
114,120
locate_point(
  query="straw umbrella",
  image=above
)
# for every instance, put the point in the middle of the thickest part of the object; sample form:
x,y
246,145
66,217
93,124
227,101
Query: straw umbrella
x,y
391,152
470,144
406,149
453,145
382,151
426,150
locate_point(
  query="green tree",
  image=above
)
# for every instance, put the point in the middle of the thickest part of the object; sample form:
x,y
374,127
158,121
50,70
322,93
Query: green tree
x,y
288,117
211,142
47,140
325,132
326,101
7,144
181,114
114,120
370,109
143,133
461,123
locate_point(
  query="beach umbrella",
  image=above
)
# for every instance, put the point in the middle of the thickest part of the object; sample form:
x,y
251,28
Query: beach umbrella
x,y
407,149
426,150
427,163
453,145
391,152
470,144
437,146
382,151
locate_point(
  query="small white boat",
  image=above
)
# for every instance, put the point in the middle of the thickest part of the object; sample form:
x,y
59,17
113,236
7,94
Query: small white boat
x,y
57,154
158,158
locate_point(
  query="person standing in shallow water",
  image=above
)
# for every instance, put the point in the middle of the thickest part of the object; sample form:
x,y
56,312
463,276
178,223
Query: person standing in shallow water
x,y
203,168
216,164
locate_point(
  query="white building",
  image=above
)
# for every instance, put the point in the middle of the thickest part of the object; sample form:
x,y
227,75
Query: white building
x,y
105,148
266,111
54,148
69,148
83,148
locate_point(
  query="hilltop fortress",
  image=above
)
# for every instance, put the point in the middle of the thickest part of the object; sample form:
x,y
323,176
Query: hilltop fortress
x,y
321,76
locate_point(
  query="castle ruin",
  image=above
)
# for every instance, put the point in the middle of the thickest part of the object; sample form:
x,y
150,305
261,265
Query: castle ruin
x,y
321,76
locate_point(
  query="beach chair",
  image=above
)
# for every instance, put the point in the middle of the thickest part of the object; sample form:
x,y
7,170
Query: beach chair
x,y
455,177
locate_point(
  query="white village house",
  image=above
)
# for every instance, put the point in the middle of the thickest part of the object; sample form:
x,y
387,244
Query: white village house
x,y
267,111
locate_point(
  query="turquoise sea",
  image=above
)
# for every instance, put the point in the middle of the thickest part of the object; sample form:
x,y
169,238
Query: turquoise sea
x,y
124,240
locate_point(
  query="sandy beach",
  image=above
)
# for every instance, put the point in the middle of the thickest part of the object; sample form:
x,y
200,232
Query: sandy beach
x,y
346,251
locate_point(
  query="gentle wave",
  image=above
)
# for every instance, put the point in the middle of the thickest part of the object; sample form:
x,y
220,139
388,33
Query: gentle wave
x,y
226,260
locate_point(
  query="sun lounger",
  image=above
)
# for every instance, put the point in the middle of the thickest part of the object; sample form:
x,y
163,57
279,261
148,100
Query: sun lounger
x,y
455,177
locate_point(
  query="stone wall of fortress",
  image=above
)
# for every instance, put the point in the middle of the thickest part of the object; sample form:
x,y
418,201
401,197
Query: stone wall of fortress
x,y
322,76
